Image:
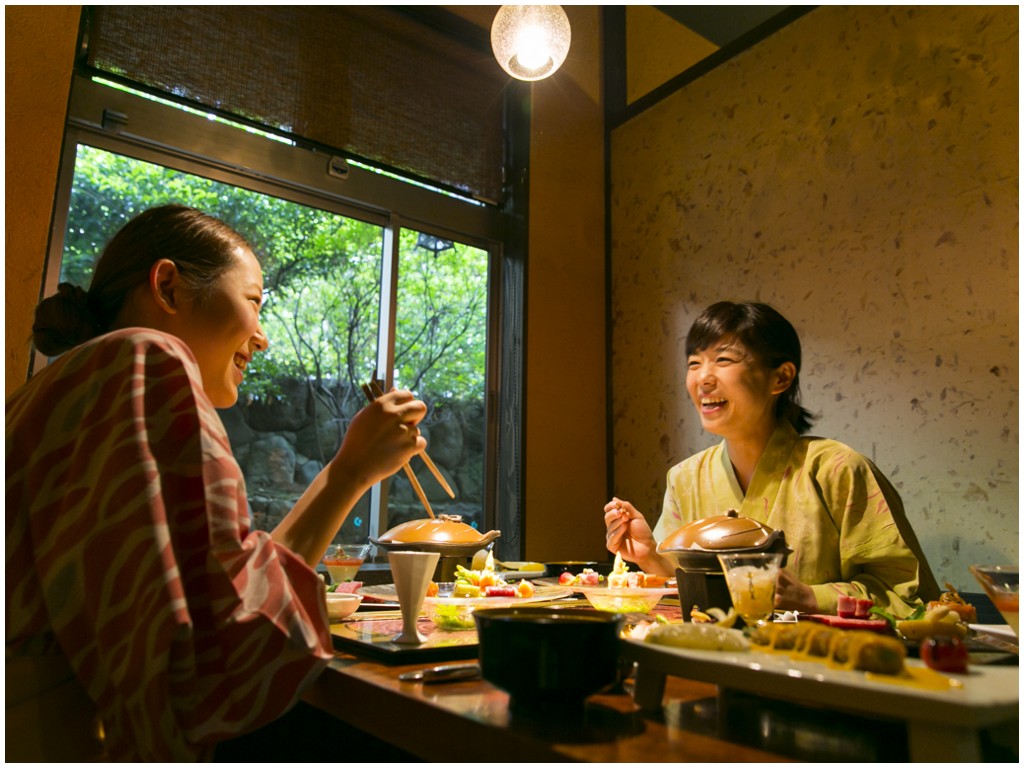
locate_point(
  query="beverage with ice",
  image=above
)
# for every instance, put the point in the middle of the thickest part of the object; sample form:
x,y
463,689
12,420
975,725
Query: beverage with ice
x,y
752,591
751,581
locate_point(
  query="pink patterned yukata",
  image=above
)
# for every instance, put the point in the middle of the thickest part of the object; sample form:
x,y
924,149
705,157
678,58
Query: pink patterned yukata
x,y
132,575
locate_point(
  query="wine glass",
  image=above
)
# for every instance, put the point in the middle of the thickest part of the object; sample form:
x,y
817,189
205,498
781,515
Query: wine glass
x,y
751,580
1001,584
344,561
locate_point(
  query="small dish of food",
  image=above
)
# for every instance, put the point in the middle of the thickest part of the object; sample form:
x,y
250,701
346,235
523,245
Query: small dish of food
x,y
343,561
454,614
624,599
341,605
623,591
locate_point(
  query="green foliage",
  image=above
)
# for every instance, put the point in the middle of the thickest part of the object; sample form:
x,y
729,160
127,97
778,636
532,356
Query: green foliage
x,y
322,280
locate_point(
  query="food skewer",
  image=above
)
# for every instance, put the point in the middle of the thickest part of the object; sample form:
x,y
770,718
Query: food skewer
x,y
378,392
408,470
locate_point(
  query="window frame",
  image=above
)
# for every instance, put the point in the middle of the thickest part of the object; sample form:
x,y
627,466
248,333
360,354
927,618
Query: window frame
x,y
119,121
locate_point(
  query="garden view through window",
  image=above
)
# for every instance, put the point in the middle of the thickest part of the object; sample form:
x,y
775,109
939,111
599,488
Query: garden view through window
x,y
322,313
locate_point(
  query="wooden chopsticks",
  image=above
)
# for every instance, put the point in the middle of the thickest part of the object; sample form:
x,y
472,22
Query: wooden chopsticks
x,y
372,392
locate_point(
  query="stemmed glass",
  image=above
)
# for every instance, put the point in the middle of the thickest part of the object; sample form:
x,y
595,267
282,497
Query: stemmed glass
x,y
1001,584
344,561
751,580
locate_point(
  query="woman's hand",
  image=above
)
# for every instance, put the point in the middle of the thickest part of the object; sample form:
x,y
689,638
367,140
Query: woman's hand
x,y
382,437
379,440
629,535
791,594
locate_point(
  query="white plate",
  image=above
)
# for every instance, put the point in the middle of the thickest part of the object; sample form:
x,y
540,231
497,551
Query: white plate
x,y
604,589
624,591
1000,630
386,593
496,602
521,570
989,694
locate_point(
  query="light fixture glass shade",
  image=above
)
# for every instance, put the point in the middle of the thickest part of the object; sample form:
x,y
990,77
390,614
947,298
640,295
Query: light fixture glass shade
x,y
530,41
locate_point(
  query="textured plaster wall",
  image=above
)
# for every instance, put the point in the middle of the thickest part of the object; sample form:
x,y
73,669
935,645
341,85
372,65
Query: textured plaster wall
x,y
858,170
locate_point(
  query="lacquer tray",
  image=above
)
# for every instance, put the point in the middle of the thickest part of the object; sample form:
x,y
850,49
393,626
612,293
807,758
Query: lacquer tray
x,y
371,637
369,634
942,725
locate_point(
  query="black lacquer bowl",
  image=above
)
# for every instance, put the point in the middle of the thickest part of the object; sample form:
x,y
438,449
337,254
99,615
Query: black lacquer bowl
x,y
548,659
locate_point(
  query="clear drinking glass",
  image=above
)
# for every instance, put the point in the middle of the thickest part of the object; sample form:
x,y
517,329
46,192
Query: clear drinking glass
x,y
751,580
1002,585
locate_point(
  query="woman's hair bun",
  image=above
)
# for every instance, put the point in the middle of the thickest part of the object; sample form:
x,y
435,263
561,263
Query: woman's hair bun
x,y
63,320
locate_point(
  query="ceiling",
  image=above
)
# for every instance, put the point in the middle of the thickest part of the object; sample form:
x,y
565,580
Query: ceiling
x,y
721,24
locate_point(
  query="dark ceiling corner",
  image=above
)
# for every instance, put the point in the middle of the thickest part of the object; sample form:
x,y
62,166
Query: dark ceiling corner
x,y
721,24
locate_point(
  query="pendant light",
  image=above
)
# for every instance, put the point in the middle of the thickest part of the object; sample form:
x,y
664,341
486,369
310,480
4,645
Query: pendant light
x,y
530,41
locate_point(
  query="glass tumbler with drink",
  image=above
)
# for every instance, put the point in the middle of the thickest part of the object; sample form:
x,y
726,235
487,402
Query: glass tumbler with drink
x,y
751,579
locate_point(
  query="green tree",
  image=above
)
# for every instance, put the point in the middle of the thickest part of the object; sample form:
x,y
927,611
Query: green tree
x,y
322,280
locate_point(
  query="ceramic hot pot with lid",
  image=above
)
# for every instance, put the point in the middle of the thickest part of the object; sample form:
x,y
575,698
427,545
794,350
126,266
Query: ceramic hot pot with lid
x,y
446,534
697,545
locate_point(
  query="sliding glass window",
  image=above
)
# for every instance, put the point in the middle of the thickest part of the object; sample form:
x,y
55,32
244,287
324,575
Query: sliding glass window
x,y
366,277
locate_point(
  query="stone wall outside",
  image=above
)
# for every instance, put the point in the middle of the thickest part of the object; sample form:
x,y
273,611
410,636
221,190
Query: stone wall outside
x,y
282,444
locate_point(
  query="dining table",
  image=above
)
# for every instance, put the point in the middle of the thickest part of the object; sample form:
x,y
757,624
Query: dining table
x,y
652,713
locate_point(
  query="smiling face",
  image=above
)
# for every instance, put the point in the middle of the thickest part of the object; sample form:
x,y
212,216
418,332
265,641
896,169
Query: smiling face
x,y
223,327
734,393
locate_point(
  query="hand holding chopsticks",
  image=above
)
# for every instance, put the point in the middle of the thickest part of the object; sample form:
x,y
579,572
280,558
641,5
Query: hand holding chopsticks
x,y
372,392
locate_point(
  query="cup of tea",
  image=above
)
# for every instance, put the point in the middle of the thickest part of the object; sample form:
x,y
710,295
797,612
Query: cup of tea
x,y
1001,584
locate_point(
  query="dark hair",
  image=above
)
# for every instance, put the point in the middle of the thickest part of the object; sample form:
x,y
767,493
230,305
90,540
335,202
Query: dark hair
x,y
200,245
769,336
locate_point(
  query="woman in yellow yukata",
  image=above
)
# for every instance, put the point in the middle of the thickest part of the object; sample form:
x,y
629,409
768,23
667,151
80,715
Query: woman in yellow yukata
x,y
841,516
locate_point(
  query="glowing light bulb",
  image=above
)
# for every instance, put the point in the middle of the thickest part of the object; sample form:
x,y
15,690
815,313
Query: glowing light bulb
x,y
530,42
531,47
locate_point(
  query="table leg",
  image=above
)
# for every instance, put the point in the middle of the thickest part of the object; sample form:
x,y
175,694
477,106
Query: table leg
x,y
648,687
943,743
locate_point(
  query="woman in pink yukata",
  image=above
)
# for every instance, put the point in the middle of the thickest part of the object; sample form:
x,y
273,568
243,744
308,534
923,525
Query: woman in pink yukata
x,y
841,516
137,595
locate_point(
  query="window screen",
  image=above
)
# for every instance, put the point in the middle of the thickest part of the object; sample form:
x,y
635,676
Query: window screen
x,y
368,81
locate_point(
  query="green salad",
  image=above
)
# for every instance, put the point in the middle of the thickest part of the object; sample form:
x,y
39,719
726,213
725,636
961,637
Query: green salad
x,y
452,617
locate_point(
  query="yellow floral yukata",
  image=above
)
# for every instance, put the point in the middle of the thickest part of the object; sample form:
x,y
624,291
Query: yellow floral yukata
x,y
136,592
842,518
